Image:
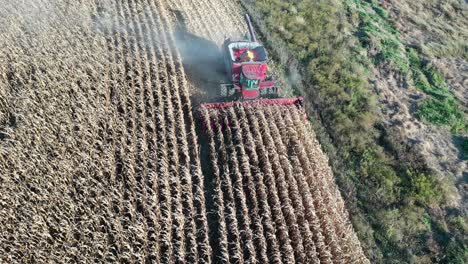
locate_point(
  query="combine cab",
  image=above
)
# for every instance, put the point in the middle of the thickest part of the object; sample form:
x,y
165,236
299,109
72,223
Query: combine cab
x,y
246,67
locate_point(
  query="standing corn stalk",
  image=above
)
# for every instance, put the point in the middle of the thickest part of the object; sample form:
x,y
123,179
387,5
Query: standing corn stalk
x,y
265,149
241,204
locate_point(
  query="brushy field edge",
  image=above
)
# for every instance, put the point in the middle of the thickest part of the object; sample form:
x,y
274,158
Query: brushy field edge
x,y
391,195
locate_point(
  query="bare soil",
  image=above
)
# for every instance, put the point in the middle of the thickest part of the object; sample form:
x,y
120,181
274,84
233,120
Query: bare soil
x,y
440,29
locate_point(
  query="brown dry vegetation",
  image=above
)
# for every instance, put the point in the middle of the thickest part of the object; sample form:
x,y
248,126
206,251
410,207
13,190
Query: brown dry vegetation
x,y
397,150
439,29
96,129
297,213
99,157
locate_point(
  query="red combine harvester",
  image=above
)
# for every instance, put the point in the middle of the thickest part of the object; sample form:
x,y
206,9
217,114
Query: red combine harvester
x,y
247,69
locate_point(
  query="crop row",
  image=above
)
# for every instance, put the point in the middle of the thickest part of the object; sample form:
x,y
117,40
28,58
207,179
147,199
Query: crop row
x,y
100,167
268,166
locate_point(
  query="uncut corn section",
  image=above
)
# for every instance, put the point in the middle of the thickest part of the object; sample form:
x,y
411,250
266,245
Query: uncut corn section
x,y
268,165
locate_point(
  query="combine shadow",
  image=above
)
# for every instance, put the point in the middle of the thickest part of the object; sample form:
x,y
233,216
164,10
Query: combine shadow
x,y
203,63
204,68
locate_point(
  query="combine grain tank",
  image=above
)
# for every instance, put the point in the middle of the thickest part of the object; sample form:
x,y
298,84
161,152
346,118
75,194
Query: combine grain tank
x,y
246,68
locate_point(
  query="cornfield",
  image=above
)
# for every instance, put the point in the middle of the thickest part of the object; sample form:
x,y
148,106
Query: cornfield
x,y
275,195
95,156
99,149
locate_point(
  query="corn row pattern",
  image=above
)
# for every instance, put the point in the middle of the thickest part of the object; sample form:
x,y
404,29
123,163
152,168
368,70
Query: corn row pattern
x,y
99,157
96,125
296,213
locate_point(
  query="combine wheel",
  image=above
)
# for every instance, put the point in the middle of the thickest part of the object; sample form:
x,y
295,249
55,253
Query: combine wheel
x,y
231,91
224,90
271,92
267,92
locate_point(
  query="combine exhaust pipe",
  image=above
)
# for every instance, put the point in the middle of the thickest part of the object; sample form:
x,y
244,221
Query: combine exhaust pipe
x,y
253,38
